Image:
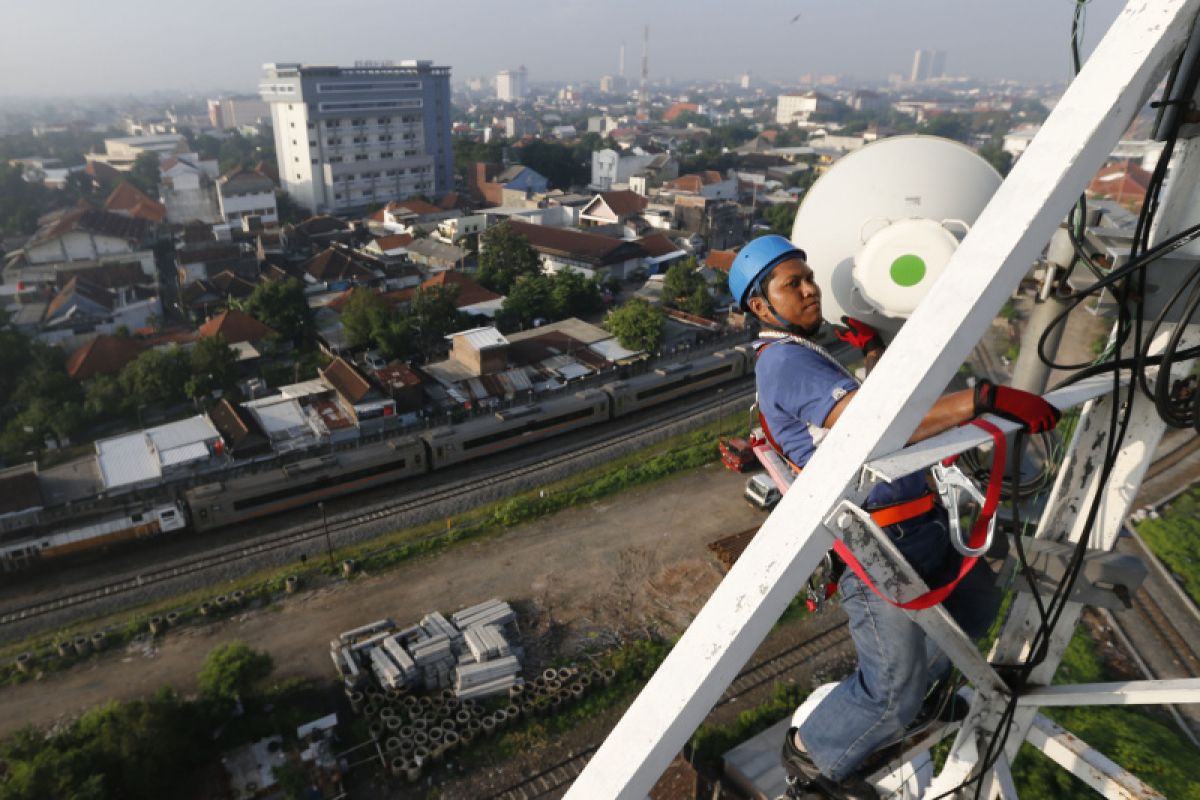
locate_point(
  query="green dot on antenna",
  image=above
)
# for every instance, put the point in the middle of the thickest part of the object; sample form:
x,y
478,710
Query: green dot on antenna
x,y
908,270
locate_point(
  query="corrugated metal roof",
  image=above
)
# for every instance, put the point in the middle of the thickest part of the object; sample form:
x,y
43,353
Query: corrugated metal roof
x,y
304,388
612,350
518,379
278,415
196,451
481,338
126,460
574,370
184,432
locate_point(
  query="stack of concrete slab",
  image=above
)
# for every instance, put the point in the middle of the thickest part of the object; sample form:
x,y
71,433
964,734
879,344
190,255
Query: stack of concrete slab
x,y
493,677
404,662
386,670
356,634
493,612
434,623
486,642
435,659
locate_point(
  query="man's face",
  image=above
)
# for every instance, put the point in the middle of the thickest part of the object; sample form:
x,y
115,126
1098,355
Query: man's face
x,y
794,294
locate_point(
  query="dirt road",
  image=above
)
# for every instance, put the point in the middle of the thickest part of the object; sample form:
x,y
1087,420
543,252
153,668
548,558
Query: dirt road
x,y
637,557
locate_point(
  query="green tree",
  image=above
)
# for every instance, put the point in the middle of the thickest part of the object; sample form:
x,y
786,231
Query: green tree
x,y
214,367
434,311
504,256
699,302
995,154
780,217
282,306
144,173
364,312
528,299
638,325
157,376
232,670
681,281
105,398
574,295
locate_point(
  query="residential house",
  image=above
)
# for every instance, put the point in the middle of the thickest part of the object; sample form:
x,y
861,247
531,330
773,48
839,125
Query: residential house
x,y
709,184
205,259
130,201
793,109
120,153
720,222
405,216
246,193
611,210
612,169
89,234
661,168
1124,183
661,252
358,396
188,189
103,355
589,253
241,434
339,266
394,245
82,307
317,233
470,297
513,185
403,384
483,351
248,337
436,256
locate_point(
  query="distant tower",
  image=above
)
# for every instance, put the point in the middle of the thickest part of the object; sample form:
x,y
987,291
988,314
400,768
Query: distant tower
x,y
922,64
643,100
938,68
621,64
745,81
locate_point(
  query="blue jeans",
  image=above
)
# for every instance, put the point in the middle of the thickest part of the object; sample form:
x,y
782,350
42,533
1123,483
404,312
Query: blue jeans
x,y
896,662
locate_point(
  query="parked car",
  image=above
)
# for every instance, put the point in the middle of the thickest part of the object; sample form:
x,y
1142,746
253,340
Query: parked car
x,y
761,492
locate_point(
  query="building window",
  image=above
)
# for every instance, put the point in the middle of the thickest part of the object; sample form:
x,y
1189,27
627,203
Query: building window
x,y
297,176
311,143
385,155
362,157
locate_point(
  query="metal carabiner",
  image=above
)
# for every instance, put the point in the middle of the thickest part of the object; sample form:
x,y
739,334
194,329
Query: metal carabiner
x,y
950,482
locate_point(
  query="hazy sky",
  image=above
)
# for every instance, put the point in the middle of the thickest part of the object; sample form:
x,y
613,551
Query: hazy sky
x,y
66,47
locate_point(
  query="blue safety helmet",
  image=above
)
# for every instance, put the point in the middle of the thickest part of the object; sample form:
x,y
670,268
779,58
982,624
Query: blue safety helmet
x,y
754,262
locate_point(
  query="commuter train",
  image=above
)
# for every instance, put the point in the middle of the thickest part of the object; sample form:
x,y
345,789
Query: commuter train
x,y
353,467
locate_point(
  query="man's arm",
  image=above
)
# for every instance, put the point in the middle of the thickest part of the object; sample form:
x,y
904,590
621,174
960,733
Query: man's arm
x,y
949,411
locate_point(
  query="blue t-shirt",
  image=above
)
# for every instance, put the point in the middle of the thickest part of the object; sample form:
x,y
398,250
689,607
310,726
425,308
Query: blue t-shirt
x,y
797,388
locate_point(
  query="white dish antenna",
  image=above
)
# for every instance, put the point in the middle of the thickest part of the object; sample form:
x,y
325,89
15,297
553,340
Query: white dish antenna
x,y
881,224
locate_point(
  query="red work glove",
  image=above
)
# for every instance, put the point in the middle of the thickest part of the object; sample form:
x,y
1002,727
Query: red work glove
x,y
858,334
1028,409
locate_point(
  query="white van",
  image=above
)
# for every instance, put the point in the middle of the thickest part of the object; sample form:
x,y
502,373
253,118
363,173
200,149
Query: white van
x,y
761,492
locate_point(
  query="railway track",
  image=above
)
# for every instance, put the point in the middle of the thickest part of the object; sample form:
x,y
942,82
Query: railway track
x,y
272,543
553,780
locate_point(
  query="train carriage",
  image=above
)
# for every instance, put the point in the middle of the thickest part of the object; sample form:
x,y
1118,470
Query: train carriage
x,y
516,426
670,381
299,483
163,518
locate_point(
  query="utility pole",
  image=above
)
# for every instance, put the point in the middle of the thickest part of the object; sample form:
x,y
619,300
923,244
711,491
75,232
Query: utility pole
x,y
328,541
643,101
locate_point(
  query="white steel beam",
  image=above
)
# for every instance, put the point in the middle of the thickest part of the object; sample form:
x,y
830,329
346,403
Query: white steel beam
x,y
981,275
1119,693
1090,766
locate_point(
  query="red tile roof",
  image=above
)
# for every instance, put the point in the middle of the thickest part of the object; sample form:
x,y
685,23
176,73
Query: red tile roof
x,y
623,203
104,355
397,374
657,245
334,264
236,326
588,247
413,206
1125,183
347,381
678,108
393,242
720,259
95,221
470,293
83,288
130,200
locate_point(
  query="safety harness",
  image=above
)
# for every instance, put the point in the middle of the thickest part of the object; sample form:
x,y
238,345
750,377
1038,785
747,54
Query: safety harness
x,y
821,587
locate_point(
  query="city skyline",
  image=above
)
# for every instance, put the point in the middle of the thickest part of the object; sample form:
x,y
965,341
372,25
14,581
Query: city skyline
x,y
869,40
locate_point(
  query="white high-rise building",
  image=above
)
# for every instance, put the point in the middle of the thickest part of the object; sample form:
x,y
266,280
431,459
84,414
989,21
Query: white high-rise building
x,y
928,64
349,137
512,85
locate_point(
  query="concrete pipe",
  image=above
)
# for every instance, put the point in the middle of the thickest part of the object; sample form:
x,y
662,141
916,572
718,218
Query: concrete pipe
x,y
420,756
407,731
451,741
83,645
206,609
393,724
348,567
356,701
516,691
465,738
370,709
553,686
291,584
447,724
474,726
421,739
556,702
172,618
436,735
375,729
451,705
222,601
392,694
157,625
392,744
412,770
563,674
470,705
387,712
447,694
585,681
513,711
550,674
237,598
577,691
407,746
99,640
399,765
461,717
528,709
63,648
419,723
487,726
24,662
608,676
437,752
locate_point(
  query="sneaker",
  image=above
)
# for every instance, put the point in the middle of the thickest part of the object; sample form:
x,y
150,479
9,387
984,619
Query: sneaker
x,y
806,781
